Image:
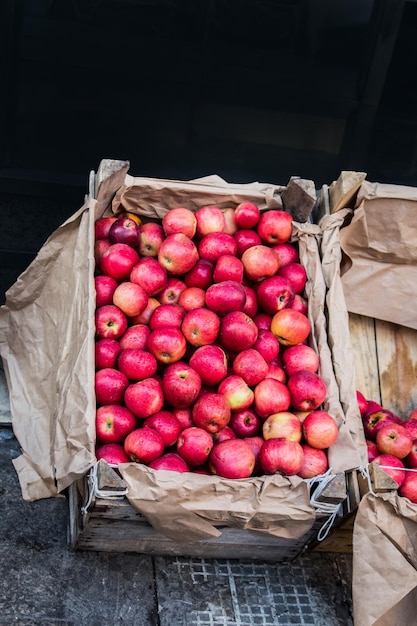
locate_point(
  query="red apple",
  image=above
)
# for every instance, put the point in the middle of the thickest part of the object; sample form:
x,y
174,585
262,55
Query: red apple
x,y
214,245
362,403
192,298
171,293
200,327
105,286
167,315
372,450
246,239
137,364
181,384
320,430
263,321
170,461
150,275
145,316
274,226
210,362
296,274
284,425
179,220
110,386
118,260
267,345
136,336
372,406
307,390
143,445
287,253
151,236
211,412
247,215
237,392
232,458
315,462
166,424
251,303
177,254
374,420
194,445
259,262
100,247
167,344
132,299
200,275
271,396
102,227
411,425
299,304
275,293
110,322
408,488
225,297
277,372
184,416
238,331
223,434
245,423
210,219
230,225
290,327
394,439
124,230
112,453
256,444
300,357
392,466
251,366
228,267
144,397
281,456
106,353
113,423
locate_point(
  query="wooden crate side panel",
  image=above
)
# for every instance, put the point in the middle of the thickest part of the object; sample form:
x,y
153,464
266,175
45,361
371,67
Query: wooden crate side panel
x,y
397,360
115,526
362,333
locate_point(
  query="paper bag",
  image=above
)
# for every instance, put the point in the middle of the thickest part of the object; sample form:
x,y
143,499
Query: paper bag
x,y
379,272
385,561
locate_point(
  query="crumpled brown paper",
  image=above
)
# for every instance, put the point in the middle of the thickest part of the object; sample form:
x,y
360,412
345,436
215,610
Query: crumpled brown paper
x,y
47,344
379,276
385,561
188,507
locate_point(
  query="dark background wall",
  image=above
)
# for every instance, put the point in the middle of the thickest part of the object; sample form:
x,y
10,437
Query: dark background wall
x,y
248,89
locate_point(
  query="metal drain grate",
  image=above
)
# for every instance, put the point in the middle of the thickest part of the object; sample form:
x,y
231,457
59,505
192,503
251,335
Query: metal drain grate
x,y
194,592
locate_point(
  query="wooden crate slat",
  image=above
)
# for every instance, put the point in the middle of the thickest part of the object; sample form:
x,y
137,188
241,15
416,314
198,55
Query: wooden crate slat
x,y
397,360
362,332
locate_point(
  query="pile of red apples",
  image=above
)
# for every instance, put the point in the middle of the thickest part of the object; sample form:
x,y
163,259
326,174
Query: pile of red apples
x,y
202,354
392,444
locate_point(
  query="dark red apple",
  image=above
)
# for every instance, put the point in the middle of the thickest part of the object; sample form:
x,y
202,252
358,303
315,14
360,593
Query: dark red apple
x,y
232,458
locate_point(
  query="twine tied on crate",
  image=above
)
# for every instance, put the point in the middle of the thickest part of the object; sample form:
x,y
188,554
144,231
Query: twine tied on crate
x,y
94,491
333,510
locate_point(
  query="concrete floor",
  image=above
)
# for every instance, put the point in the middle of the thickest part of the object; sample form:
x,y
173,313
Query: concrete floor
x,y
43,583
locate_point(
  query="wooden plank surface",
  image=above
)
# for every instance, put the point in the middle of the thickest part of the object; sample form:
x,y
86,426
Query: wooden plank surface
x,y
397,360
362,333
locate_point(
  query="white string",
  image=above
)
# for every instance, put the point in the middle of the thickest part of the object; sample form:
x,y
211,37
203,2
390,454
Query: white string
x,y
94,491
333,510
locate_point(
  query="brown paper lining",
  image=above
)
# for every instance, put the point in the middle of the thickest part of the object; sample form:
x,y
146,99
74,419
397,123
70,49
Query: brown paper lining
x,y
379,280
385,561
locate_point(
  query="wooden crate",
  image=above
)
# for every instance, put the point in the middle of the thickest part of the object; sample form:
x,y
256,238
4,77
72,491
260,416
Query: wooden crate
x,y
109,523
